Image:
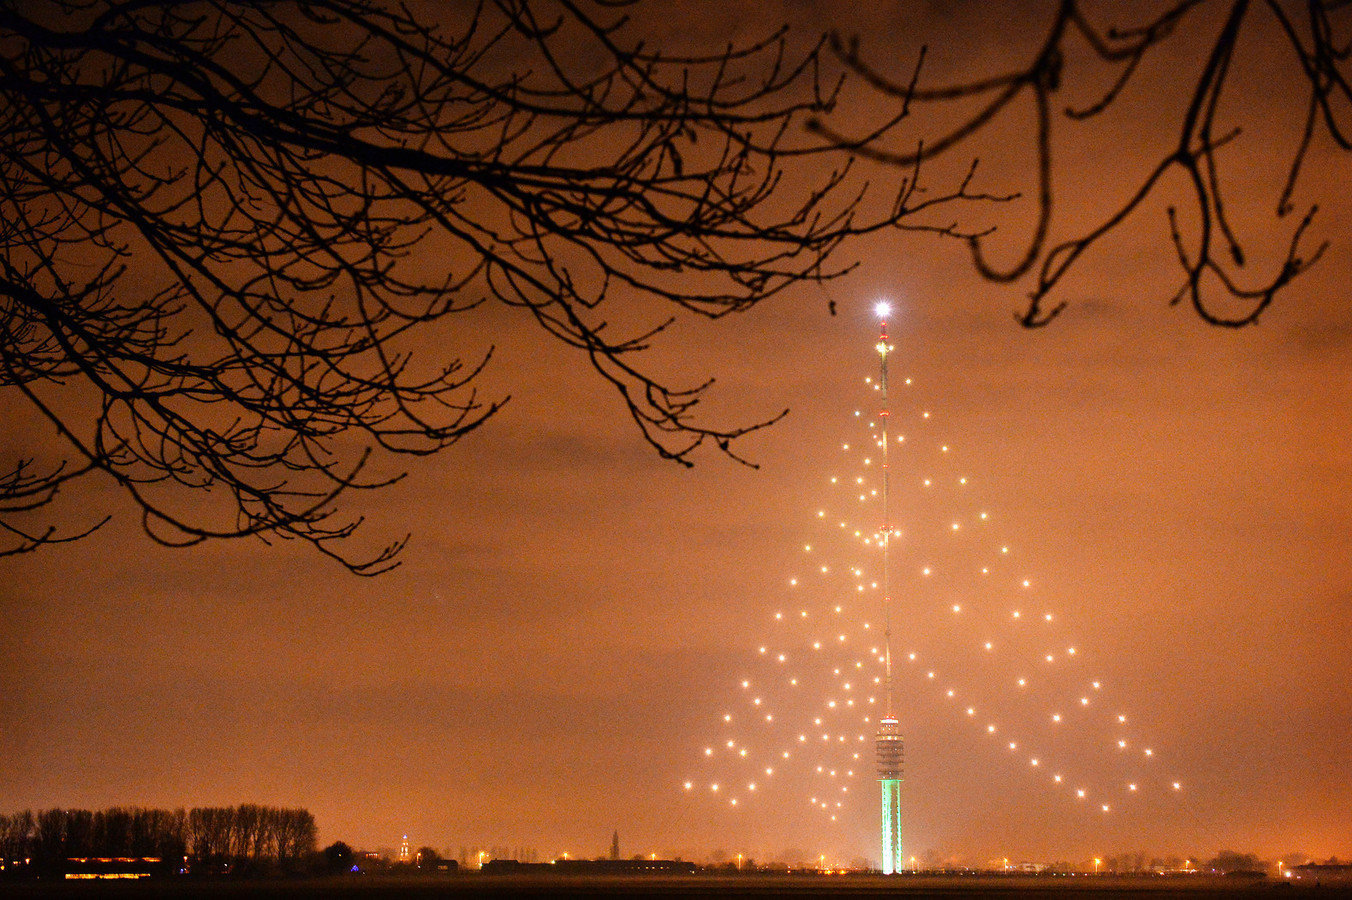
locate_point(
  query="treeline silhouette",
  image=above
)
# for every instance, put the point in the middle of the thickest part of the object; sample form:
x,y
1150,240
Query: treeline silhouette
x,y
244,839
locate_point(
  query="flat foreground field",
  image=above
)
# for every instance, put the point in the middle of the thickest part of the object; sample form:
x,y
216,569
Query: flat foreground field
x,y
745,887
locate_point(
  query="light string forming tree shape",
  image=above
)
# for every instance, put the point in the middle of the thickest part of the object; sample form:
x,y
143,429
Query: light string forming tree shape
x,y
975,635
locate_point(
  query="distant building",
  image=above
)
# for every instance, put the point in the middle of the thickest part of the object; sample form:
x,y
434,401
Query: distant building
x,y
590,867
1316,873
79,868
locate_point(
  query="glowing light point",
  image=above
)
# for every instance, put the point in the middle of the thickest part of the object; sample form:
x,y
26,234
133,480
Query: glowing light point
x,y
882,309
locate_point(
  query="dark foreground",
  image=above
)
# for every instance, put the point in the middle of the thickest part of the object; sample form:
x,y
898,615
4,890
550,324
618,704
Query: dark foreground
x,y
850,887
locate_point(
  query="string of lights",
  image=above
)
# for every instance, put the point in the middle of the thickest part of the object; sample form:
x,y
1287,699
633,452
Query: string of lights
x,y
980,636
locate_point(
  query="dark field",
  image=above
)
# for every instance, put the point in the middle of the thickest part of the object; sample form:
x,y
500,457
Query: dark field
x,y
806,886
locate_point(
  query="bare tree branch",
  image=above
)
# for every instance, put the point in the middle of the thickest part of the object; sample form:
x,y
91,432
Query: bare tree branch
x,y
1210,251
230,229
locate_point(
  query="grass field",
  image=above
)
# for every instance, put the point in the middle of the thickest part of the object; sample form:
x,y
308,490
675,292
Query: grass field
x,y
920,887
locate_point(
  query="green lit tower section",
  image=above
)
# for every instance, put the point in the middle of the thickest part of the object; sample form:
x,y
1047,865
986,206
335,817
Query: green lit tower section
x,y
890,751
890,758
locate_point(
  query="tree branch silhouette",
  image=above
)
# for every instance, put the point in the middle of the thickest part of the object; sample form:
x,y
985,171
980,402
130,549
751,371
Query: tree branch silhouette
x,y
1209,252
239,236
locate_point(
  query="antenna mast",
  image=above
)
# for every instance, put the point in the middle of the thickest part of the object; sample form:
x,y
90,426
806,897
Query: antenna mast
x,y
888,746
883,349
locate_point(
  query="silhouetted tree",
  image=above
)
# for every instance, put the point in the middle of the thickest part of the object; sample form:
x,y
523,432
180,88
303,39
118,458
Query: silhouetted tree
x,y
1233,861
242,244
338,857
1058,85
49,840
16,836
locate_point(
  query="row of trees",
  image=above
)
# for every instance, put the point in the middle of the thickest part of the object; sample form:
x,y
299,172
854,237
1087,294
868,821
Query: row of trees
x,y
248,837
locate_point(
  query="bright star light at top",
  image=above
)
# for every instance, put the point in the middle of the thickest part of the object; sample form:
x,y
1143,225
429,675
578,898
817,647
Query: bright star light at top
x,y
883,309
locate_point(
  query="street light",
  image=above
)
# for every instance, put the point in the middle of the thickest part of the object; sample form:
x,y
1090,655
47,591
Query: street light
x,y
1097,861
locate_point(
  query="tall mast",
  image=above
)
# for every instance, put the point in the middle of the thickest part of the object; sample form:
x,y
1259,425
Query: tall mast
x,y
883,349
888,745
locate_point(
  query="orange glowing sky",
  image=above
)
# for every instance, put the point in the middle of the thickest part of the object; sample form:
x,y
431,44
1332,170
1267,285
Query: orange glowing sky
x,y
573,615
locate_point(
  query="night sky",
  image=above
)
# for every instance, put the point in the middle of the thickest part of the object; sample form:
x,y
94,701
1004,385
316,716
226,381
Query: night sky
x,y
574,616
